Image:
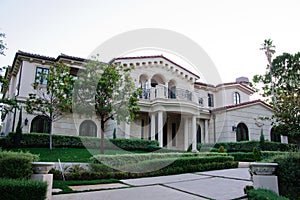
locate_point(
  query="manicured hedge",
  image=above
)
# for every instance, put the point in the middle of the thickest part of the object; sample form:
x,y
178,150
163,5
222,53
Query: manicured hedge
x,y
41,140
262,194
166,166
126,159
245,146
249,156
288,172
16,165
22,189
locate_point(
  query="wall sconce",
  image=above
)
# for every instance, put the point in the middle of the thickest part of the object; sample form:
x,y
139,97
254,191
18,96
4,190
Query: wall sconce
x,y
26,122
234,128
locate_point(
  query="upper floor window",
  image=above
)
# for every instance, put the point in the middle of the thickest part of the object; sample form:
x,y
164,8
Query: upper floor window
x,y
236,98
40,75
210,100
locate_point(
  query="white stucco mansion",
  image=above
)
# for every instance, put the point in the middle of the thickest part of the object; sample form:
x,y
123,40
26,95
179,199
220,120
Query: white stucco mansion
x,y
176,108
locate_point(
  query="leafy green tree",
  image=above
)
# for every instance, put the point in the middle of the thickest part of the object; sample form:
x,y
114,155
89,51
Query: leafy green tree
x,y
281,88
52,100
2,44
7,104
107,92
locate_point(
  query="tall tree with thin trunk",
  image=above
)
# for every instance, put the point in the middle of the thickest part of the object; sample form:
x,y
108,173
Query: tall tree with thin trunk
x,y
280,85
106,91
52,94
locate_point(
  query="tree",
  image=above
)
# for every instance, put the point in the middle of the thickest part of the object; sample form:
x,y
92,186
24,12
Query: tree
x,y
281,86
2,44
52,100
106,91
7,104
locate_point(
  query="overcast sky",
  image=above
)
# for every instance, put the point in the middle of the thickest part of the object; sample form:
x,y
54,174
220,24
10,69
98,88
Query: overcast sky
x,y
230,31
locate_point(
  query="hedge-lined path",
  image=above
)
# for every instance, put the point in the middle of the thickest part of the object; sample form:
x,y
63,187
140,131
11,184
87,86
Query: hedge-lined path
x,y
218,184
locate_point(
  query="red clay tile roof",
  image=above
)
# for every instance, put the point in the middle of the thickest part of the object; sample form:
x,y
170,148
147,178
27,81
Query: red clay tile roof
x,y
243,104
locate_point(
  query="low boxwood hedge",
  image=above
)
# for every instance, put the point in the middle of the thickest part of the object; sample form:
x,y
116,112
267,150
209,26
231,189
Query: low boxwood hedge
x,y
16,165
22,189
245,146
41,140
172,166
125,159
249,156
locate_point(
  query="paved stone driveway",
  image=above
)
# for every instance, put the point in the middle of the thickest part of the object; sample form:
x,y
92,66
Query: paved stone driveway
x,y
219,184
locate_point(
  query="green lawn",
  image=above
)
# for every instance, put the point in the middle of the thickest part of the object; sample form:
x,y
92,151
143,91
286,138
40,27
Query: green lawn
x,y
67,154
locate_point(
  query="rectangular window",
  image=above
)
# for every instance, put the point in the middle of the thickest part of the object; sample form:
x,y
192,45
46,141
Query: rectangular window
x,y
174,134
210,100
41,75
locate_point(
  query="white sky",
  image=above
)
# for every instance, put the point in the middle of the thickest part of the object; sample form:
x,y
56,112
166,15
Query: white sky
x,y
230,31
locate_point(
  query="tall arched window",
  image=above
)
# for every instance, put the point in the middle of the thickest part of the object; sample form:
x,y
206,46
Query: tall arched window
x,y
198,134
88,128
236,98
242,132
275,135
40,124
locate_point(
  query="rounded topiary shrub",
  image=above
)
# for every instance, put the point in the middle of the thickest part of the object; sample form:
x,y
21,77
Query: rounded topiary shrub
x,y
16,165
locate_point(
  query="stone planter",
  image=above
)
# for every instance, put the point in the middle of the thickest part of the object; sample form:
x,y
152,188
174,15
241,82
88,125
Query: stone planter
x,y
42,167
266,169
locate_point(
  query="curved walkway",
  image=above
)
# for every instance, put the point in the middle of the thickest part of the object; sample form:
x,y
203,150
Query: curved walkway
x,y
219,184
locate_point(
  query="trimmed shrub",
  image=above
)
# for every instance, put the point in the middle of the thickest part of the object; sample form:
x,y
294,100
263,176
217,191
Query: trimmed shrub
x,y
184,165
126,159
16,165
262,194
242,156
256,154
41,140
288,173
221,149
22,189
247,146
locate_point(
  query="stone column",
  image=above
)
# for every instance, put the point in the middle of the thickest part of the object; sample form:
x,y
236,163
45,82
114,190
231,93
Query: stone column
x,y
186,133
206,131
152,126
127,130
160,128
166,89
194,134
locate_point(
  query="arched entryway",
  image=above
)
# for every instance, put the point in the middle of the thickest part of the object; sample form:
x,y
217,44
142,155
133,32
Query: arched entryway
x,y
275,135
88,128
242,133
40,124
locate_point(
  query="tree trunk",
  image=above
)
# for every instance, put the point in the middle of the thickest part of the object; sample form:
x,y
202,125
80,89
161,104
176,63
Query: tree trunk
x,y
50,143
102,137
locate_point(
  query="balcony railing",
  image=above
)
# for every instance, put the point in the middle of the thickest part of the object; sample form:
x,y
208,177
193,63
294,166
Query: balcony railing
x,y
161,91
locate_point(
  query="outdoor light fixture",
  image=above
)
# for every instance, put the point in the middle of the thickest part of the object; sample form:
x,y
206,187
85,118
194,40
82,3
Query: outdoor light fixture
x,y
234,128
26,122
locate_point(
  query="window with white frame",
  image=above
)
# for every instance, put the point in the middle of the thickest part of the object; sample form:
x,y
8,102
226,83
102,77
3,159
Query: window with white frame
x,y
236,98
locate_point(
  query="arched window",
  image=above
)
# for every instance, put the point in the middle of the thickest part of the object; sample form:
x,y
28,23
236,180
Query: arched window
x,y
242,132
88,128
40,124
275,135
198,134
236,98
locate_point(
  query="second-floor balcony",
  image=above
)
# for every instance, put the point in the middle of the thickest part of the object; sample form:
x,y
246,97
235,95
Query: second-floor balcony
x,y
162,92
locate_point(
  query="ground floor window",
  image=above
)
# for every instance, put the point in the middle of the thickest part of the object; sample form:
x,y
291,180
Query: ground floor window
x,y
275,135
40,124
242,132
198,134
88,128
